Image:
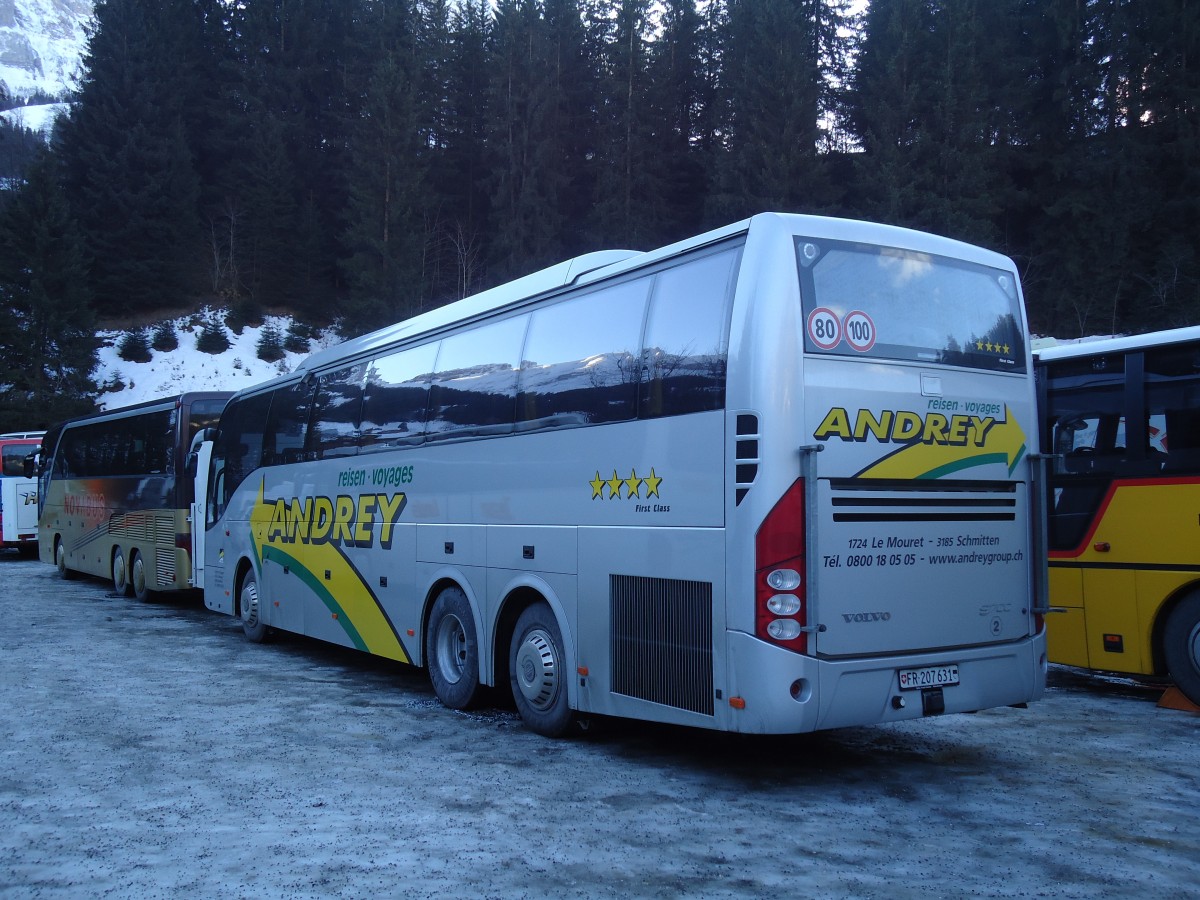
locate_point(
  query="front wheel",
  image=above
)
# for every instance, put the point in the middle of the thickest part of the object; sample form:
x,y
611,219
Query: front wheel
x,y
60,561
452,650
248,609
536,667
1181,647
137,578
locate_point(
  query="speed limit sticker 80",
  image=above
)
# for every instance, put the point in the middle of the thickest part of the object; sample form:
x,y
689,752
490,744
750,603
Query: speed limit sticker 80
x,y
826,329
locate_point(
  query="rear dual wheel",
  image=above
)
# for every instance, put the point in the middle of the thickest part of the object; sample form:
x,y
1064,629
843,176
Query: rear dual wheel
x,y
537,672
137,578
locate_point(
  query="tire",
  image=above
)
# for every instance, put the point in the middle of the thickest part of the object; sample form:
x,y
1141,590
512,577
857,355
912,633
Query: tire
x,y
452,650
137,578
537,672
120,575
28,551
60,561
248,609
1181,646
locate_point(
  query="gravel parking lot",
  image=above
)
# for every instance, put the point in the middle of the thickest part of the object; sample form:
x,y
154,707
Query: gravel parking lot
x,y
148,750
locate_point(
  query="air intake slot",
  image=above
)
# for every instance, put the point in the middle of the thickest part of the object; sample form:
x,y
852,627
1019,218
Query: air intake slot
x,y
746,454
662,641
878,500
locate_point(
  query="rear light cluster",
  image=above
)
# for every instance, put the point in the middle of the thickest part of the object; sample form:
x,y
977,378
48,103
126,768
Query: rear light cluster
x,y
780,593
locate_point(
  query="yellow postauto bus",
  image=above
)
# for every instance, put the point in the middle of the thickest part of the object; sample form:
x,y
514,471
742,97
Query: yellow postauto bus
x,y
1121,417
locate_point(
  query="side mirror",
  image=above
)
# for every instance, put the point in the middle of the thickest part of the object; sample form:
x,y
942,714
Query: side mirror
x,y
30,465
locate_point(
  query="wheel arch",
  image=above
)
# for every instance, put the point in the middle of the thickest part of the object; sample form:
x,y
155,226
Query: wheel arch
x,y
239,574
446,578
519,595
1159,627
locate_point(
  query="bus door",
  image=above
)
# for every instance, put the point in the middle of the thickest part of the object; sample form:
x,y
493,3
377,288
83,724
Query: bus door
x,y
198,461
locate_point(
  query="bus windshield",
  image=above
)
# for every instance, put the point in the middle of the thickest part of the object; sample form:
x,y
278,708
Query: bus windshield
x,y
883,302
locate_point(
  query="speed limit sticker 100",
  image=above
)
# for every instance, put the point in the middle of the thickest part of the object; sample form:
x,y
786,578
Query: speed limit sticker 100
x,y
826,329
860,331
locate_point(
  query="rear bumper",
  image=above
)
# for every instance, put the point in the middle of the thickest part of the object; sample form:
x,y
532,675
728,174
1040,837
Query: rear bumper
x,y
842,693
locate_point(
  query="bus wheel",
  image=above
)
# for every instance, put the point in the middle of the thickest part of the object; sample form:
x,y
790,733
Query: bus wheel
x,y
1181,646
452,650
252,625
137,578
119,574
535,666
60,561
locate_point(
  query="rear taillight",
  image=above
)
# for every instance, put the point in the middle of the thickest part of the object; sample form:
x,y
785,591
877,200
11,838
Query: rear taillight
x,y
780,591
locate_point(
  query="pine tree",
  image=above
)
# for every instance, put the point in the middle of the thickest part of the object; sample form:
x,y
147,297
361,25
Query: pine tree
x,y
165,339
540,131
212,337
780,57
677,101
134,346
130,174
386,238
47,330
270,343
938,96
626,207
292,102
459,173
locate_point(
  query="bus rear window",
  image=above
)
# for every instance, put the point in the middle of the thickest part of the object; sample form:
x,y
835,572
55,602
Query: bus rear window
x,y
881,302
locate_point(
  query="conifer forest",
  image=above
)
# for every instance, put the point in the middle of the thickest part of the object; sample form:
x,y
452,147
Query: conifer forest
x,y
359,161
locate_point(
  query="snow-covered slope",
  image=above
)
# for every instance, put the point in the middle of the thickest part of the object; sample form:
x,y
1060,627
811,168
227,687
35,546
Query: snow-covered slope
x,y
189,369
41,44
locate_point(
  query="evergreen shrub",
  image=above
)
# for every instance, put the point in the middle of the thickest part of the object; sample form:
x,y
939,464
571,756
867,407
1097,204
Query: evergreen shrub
x,y
165,339
134,347
212,338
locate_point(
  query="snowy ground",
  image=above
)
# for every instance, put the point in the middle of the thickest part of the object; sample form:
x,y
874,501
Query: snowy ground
x,y
148,750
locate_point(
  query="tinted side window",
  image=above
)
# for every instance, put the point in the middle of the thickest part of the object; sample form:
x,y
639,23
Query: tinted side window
x,y
1086,427
1173,409
580,364
287,425
474,390
238,446
684,350
334,430
138,445
14,458
202,414
396,398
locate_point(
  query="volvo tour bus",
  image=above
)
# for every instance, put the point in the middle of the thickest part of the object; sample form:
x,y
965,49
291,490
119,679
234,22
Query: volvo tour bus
x,y
115,500
1122,419
775,478
18,493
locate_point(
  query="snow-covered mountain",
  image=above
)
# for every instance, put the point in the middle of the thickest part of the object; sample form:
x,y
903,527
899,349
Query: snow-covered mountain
x,y
41,45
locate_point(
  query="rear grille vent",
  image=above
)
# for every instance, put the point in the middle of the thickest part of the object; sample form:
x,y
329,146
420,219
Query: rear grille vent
x,y
164,566
662,641
878,500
